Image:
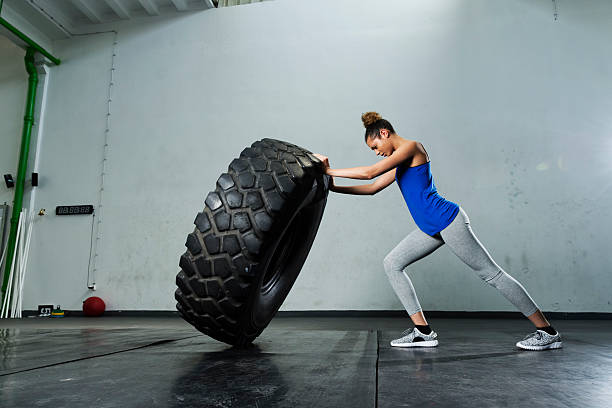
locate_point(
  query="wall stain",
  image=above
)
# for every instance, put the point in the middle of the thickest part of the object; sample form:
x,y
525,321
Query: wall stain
x,y
524,263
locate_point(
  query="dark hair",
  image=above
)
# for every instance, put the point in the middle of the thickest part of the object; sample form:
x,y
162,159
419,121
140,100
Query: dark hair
x,y
373,122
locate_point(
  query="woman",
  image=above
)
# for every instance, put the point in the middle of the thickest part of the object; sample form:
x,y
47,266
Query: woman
x,y
439,222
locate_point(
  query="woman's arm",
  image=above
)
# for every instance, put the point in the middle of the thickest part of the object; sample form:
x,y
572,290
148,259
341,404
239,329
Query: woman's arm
x,y
402,153
364,189
359,173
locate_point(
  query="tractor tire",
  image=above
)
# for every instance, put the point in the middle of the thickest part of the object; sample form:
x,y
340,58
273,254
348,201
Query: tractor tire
x,y
251,240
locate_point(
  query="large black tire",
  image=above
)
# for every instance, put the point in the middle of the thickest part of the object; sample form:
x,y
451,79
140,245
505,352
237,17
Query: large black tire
x,y
251,240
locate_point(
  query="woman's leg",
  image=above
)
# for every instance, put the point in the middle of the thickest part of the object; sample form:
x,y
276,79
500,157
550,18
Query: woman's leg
x,y
413,247
461,240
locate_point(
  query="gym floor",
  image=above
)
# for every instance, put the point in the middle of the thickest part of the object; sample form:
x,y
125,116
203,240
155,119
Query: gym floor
x,y
300,362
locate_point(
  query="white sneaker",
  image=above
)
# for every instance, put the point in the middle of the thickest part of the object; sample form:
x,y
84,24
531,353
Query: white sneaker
x,y
540,340
414,338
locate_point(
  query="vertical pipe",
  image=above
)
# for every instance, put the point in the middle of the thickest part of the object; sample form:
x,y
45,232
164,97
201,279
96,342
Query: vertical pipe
x,y
28,119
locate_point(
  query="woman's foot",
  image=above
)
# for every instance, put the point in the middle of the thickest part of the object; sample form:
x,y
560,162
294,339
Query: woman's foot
x,y
414,338
540,340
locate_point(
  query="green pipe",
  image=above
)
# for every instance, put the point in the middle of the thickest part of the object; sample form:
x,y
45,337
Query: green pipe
x,y
28,40
28,119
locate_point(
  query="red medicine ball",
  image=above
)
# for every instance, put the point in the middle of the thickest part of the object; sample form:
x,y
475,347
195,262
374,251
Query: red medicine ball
x,y
93,306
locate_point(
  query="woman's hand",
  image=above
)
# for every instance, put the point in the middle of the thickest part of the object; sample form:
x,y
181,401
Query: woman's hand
x,y
331,183
324,159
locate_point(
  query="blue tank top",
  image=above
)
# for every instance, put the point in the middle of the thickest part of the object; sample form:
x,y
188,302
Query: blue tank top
x,y
430,211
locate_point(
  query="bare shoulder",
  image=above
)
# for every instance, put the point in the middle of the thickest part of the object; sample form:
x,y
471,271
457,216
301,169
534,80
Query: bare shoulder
x,y
410,142
408,146
414,143
419,151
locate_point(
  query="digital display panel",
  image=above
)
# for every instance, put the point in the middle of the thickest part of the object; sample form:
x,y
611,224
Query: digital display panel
x,y
74,209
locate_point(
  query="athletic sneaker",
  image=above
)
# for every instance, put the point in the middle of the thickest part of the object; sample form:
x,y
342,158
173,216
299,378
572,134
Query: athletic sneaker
x,y
540,340
414,338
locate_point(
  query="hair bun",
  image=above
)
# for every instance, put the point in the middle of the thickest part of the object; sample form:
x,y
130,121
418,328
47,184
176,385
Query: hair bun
x,y
369,118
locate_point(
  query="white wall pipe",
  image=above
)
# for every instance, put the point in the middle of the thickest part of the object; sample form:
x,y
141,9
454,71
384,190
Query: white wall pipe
x,y
4,312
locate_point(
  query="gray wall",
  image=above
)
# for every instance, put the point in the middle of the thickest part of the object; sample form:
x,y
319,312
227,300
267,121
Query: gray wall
x,y
512,106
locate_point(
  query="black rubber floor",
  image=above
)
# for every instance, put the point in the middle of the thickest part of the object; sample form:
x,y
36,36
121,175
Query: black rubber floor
x,y
300,362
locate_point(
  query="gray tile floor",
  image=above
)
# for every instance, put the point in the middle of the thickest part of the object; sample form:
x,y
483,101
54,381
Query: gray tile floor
x,y
300,362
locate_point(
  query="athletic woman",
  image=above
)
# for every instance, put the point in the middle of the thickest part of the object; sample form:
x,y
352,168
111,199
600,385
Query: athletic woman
x,y
439,222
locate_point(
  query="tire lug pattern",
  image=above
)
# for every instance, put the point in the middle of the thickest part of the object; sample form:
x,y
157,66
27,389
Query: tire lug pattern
x,y
213,201
263,221
296,170
242,265
238,165
213,289
202,222
266,181
178,295
197,285
236,288
203,267
181,282
275,201
278,145
258,164
258,143
222,220
277,167
253,200
270,153
193,244
186,265
232,309
195,305
209,306
314,158
286,184
210,321
212,244
288,157
246,180
234,199
252,243
224,321
304,161
223,263
241,221
221,268
249,152
225,181
231,245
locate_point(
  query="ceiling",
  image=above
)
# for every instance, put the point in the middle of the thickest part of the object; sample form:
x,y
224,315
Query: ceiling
x,y
63,18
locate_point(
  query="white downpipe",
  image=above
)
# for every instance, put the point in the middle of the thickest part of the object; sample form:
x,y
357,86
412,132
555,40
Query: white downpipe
x,y
5,305
13,301
3,255
18,265
26,253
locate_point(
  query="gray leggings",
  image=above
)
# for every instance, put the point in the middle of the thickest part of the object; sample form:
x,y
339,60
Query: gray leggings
x,y
461,240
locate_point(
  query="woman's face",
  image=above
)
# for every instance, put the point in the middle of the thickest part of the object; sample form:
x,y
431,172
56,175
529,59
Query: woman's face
x,y
381,144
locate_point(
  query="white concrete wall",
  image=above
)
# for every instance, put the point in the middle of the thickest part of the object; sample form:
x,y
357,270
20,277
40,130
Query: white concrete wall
x,y
512,106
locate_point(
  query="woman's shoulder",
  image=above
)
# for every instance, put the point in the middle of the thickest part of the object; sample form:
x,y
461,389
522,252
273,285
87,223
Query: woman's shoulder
x,y
420,151
410,141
